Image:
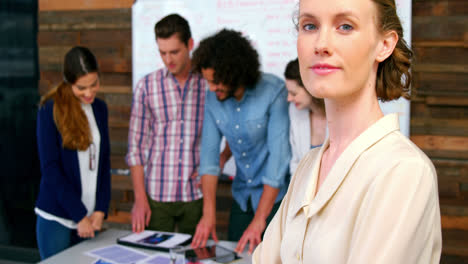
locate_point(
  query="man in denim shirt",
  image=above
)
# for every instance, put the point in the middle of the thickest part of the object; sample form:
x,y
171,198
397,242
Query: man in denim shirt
x,y
250,110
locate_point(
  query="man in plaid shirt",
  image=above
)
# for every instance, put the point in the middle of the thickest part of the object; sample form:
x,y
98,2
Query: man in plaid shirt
x,y
164,136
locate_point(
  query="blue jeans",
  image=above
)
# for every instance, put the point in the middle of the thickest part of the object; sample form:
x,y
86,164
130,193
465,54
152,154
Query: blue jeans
x,y
53,237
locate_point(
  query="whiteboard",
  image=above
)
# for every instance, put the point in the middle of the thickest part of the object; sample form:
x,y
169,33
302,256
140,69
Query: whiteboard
x,y
267,23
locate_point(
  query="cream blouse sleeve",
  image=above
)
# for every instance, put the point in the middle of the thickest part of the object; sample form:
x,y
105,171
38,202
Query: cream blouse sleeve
x,y
399,221
268,251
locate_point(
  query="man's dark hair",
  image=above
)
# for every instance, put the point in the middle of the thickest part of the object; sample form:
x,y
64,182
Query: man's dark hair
x,y
234,61
173,24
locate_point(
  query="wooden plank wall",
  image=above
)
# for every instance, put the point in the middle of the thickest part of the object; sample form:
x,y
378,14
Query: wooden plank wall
x,y
439,112
60,5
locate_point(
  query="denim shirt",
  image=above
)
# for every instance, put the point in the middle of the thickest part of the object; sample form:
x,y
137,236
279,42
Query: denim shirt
x,y
257,130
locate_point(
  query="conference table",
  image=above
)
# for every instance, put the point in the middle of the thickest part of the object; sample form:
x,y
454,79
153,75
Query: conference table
x,y
76,254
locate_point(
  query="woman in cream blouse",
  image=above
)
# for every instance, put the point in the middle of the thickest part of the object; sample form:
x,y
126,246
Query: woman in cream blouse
x,y
368,195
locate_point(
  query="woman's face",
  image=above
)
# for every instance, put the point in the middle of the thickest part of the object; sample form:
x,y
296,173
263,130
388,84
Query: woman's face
x,y
298,95
338,45
86,87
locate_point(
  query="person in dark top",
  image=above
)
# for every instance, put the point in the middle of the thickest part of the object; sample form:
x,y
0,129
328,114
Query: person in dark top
x,y
74,152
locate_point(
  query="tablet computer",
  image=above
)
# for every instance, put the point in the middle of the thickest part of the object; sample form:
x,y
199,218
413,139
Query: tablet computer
x,y
155,240
215,252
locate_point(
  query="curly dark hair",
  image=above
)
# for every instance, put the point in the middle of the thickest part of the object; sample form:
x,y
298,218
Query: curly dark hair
x,y
234,61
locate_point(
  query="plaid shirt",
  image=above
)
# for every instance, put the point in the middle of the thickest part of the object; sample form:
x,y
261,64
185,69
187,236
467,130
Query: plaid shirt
x,y
165,134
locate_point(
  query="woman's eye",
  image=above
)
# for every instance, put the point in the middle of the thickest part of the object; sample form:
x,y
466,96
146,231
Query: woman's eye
x,y
309,27
346,27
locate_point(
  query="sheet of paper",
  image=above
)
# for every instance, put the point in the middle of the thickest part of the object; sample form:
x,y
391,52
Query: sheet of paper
x,y
101,261
177,239
117,254
157,259
133,237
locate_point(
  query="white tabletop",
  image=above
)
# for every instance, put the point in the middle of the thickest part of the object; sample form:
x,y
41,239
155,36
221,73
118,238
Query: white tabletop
x,y
76,254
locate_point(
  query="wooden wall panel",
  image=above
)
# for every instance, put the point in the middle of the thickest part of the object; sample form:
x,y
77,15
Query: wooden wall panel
x,y
439,28
439,8
113,19
117,79
52,38
441,127
422,109
441,55
106,37
60,5
439,111
118,161
457,244
431,142
440,83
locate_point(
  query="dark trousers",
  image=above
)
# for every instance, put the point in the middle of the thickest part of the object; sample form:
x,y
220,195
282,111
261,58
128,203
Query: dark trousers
x,y
166,215
240,220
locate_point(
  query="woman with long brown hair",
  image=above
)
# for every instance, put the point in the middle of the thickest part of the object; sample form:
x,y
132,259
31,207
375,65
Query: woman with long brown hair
x,y
74,152
368,195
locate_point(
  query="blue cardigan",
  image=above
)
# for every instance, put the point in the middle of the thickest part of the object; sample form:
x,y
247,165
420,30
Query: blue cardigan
x,y
60,188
